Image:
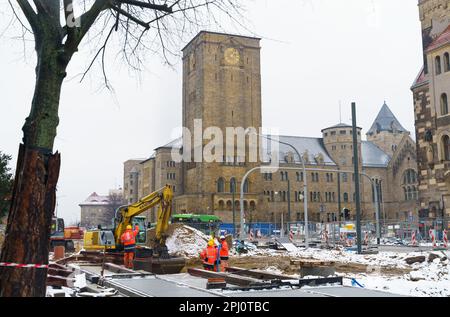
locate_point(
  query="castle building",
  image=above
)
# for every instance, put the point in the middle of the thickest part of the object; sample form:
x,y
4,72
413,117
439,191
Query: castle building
x,y
99,210
222,88
431,91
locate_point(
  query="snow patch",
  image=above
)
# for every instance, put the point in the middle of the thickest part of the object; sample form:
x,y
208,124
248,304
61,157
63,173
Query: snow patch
x,y
186,241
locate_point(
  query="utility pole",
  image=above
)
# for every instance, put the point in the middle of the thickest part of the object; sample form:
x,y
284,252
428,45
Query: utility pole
x,y
234,207
289,203
339,197
356,165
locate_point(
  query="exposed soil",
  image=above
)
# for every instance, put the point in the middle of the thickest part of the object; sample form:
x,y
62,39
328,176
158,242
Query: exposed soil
x,y
283,263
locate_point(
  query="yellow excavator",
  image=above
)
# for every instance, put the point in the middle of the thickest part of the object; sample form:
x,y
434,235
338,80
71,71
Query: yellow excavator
x,y
155,259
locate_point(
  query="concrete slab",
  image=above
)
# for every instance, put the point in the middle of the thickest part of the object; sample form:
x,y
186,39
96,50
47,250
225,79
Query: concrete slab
x,y
155,287
346,291
274,293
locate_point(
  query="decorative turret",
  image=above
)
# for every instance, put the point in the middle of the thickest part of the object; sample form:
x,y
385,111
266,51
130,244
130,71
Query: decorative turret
x,y
386,132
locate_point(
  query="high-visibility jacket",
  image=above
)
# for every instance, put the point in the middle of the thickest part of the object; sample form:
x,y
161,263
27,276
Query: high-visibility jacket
x,y
211,255
224,251
203,255
128,239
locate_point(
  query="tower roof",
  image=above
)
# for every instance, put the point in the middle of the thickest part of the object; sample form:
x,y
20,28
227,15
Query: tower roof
x,y
442,39
386,121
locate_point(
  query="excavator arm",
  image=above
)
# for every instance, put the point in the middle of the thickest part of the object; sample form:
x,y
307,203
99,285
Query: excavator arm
x,y
125,214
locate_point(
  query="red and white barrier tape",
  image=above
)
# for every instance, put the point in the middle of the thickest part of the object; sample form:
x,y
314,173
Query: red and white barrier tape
x,y
413,238
433,238
35,266
445,238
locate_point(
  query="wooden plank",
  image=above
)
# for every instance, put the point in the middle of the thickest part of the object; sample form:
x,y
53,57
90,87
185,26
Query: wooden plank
x,y
321,281
229,278
117,268
261,275
312,263
59,272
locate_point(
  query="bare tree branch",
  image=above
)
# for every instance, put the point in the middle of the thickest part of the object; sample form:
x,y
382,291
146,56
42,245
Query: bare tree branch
x,y
29,13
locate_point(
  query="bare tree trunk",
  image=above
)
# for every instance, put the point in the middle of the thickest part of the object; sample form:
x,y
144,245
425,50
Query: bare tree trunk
x,y
37,171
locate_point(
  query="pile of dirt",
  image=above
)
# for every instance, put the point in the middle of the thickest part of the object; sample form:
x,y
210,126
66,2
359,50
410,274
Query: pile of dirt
x,y
182,240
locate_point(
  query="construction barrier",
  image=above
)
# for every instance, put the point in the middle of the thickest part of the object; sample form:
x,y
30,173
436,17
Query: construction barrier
x,y
445,239
433,238
413,238
291,236
325,236
251,235
366,238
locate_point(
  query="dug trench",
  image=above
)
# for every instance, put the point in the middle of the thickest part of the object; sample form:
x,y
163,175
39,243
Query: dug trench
x,y
285,265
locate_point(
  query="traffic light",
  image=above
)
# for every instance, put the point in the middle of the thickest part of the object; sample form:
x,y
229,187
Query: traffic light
x,y
345,214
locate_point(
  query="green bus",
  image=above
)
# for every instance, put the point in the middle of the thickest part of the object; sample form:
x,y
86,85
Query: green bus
x,y
207,224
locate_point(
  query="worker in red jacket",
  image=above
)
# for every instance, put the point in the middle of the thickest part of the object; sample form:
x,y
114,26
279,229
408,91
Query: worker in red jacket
x,y
209,256
128,240
224,254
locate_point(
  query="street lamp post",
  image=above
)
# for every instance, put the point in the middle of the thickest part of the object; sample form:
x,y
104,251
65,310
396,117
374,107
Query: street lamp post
x,y
305,181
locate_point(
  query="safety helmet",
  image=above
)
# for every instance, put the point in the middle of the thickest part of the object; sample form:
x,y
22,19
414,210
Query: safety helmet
x,y
211,243
129,227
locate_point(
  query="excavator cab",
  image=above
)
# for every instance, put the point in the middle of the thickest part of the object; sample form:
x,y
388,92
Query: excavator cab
x,y
141,238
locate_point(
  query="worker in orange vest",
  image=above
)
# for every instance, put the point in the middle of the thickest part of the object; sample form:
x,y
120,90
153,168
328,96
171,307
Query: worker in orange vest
x,y
128,240
209,256
224,254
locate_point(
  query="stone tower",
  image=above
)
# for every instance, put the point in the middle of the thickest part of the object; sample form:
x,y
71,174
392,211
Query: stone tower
x,y
432,119
222,88
338,141
386,132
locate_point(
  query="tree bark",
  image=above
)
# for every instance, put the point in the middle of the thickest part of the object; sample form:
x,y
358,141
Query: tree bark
x,y
27,237
29,222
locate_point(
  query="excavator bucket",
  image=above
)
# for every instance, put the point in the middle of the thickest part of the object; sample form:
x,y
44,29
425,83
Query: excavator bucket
x,y
160,266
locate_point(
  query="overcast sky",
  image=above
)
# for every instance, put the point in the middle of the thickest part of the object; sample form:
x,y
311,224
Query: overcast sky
x,y
315,54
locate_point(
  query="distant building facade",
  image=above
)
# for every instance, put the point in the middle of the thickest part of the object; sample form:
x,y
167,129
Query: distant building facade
x,y
222,86
431,91
100,209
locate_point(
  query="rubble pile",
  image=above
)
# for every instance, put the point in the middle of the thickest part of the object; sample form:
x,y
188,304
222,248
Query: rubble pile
x,y
183,241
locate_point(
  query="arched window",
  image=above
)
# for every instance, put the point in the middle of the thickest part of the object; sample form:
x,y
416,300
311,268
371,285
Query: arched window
x,y
221,205
233,185
438,65
446,62
229,205
246,186
445,143
221,185
345,197
444,104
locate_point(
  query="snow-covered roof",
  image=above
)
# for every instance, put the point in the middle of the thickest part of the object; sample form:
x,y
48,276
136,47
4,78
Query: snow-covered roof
x,y
175,144
95,199
373,156
314,147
